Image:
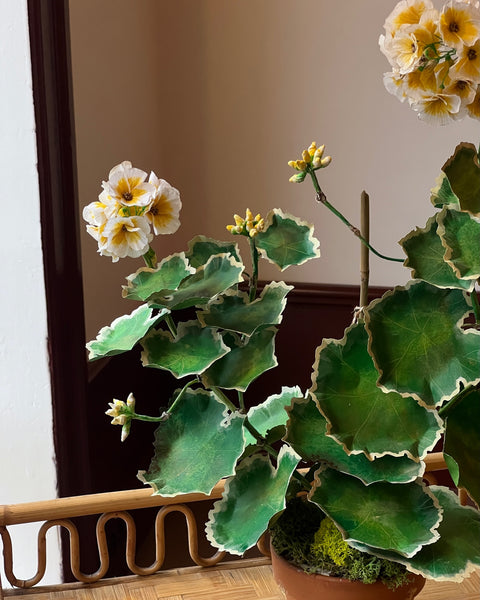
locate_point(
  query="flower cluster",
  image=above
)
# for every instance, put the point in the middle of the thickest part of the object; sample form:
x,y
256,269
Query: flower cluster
x,y
128,208
435,58
312,159
249,226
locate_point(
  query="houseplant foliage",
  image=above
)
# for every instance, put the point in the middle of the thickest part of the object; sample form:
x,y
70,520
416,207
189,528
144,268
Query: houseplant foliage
x,y
404,377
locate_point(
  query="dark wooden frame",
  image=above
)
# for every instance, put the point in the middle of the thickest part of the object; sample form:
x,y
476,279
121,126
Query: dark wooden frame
x,y
53,99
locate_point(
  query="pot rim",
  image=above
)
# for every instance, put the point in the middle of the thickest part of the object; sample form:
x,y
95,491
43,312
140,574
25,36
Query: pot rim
x,y
414,577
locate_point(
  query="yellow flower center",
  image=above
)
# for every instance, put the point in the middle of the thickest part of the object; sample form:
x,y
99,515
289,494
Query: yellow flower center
x,y
454,27
472,54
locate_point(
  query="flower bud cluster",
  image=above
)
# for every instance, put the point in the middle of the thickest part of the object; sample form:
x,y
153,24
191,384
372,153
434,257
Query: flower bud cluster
x,y
128,208
312,159
249,226
435,58
122,414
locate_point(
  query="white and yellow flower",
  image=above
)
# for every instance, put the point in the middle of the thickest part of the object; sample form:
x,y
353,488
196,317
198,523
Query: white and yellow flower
x,y
438,108
404,50
395,84
459,24
164,209
96,214
412,45
125,236
435,57
405,13
467,65
473,108
462,88
426,82
127,186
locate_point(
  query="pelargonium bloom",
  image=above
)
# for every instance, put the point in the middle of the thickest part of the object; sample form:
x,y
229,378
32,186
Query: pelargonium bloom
x,y
126,236
467,65
96,214
127,185
404,51
435,57
460,24
164,209
438,108
406,12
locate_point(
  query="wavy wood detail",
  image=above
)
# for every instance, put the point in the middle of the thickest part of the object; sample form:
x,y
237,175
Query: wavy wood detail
x,y
102,547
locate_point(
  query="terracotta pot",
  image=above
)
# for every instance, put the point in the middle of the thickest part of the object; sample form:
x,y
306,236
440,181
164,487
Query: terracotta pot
x,y
298,585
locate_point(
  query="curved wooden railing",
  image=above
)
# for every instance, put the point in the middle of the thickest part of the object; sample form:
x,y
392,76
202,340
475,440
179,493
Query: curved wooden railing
x,y
115,505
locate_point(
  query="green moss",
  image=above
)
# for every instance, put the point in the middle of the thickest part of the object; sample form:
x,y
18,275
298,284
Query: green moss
x,y
293,532
328,544
306,537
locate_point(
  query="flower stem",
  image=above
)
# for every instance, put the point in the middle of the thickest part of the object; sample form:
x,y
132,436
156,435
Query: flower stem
x,y
150,258
323,199
223,399
262,443
254,277
181,393
241,401
171,325
165,415
138,417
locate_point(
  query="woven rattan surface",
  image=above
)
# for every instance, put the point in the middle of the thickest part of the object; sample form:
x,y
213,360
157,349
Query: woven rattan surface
x,y
241,580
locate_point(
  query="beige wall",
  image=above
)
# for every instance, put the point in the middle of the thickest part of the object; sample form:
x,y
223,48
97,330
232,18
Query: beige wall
x,y
217,95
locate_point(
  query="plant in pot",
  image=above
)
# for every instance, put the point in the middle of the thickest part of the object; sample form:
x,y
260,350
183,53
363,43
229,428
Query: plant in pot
x,y
334,472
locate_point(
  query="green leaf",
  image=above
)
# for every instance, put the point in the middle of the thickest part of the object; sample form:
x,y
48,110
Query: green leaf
x,y
463,172
287,240
417,343
234,312
442,194
462,444
201,248
191,352
362,416
217,275
460,235
425,256
307,434
389,516
250,500
163,280
244,363
271,414
124,332
187,457
456,554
